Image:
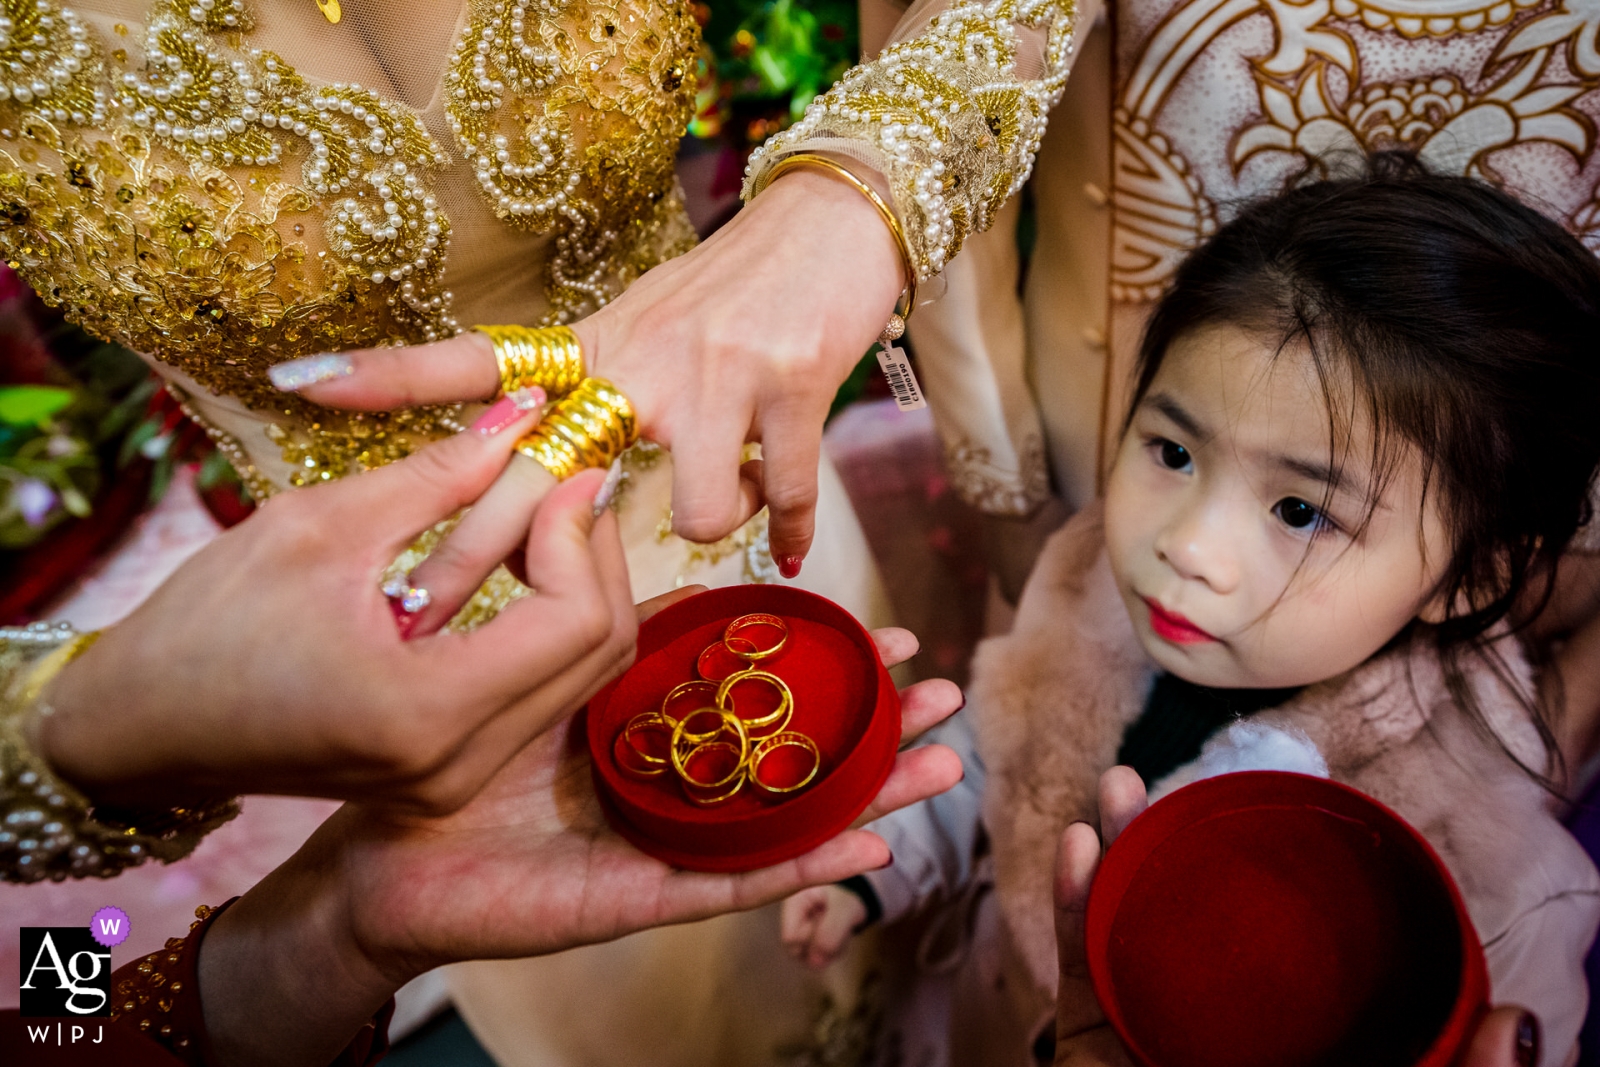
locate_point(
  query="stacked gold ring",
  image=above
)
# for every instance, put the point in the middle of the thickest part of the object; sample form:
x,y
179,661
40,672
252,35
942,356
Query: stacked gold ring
x,y
780,715
547,356
590,424
589,427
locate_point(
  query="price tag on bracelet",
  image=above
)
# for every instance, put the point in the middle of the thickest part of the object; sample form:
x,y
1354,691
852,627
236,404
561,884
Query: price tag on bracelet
x,y
902,381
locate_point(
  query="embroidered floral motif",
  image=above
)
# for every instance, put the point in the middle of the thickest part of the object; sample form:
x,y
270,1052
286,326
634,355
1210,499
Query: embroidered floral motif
x,y
570,114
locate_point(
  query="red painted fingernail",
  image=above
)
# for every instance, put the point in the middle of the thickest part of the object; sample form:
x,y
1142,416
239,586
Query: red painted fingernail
x,y
508,409
404,621
789,566
1528,1040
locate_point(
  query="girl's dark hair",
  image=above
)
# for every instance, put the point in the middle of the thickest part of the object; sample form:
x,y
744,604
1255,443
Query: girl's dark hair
x,y
1469,326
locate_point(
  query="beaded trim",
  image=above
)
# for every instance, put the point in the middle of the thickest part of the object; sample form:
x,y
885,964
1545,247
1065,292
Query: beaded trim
x,y
48,829
159,996
954,125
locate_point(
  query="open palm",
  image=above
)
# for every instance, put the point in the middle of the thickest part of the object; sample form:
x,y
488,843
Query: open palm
x,y
530,865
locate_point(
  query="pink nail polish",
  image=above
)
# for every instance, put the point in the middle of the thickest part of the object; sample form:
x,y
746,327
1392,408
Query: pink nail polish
x,y
789,566
508,409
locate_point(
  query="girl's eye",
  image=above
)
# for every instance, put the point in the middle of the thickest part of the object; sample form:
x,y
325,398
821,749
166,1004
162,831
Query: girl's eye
x,y
1174,456
1299,515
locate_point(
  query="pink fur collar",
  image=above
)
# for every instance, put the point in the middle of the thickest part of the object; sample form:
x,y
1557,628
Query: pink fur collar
x,y
1053,698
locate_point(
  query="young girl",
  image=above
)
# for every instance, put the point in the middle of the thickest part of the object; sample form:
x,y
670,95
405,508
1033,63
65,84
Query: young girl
x,y
1363,429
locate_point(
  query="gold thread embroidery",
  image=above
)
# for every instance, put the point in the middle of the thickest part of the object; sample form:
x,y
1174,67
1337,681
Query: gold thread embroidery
x,y
155,206
954,124
570,115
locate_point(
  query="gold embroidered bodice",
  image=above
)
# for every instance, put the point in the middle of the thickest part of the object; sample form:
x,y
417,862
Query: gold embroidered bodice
x,y
224,185
207,184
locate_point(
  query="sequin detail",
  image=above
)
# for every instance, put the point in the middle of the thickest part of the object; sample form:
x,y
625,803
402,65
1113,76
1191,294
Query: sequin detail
x,y
210,207
955,124
570,114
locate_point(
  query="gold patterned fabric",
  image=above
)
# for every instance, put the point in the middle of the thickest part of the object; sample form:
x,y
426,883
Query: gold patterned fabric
x,y
179,188
951,113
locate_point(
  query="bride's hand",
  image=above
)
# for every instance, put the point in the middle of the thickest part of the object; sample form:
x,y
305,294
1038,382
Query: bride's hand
x,y
529,866
271,661
746,338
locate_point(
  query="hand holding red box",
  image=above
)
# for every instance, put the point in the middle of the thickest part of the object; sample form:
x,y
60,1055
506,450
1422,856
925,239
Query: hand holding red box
x,y
1265,918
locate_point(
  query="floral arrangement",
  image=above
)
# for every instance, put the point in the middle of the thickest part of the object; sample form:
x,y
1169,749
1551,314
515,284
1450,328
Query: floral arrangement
x,y
87,440
765,60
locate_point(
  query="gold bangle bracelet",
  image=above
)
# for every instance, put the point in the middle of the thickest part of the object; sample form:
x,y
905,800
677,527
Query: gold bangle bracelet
x,y
589,427
808,159
550,357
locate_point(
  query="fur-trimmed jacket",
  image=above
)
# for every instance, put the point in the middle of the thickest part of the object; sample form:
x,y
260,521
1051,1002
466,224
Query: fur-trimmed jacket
x,y
1049,704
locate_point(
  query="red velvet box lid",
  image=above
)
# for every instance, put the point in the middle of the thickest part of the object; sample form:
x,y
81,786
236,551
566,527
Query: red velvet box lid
x,y
844,700
1266,918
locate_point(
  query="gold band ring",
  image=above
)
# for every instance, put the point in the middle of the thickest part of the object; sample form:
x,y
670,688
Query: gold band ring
x,y
717,661
550,357
589,427
680,757
684,689
755,651
700,794
625,746
787,739
780,714
690,737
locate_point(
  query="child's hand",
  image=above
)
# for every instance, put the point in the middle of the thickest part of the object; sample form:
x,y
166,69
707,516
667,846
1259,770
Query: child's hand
x,y
1507,1037
818,923
1083,1036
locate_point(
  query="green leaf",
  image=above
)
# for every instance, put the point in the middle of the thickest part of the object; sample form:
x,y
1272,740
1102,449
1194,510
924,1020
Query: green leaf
x,y
31,405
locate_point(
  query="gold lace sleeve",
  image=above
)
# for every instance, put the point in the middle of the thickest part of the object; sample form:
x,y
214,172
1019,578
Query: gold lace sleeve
x,y
951,113
48,829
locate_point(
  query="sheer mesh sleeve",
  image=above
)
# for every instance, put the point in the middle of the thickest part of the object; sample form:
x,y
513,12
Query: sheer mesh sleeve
x,y
951,113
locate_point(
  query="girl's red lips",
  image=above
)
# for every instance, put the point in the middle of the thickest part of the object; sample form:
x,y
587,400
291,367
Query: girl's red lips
x,y
1170,626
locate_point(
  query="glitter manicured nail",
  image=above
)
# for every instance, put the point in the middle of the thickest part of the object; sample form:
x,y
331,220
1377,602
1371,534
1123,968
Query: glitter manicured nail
x,y
296,374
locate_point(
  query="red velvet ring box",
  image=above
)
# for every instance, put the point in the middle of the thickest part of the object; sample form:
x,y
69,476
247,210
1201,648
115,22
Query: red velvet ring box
x,y
1265,918
844,701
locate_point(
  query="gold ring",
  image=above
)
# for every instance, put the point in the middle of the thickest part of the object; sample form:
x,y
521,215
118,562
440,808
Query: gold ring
x,y
707,667
550,357
680,757
589,427
654,765
695,685
785,706
788,739
697,792
746,622
691,737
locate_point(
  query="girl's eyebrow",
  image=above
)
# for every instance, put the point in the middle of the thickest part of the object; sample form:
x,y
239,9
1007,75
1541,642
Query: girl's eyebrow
x,y
1178,414
1338,481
